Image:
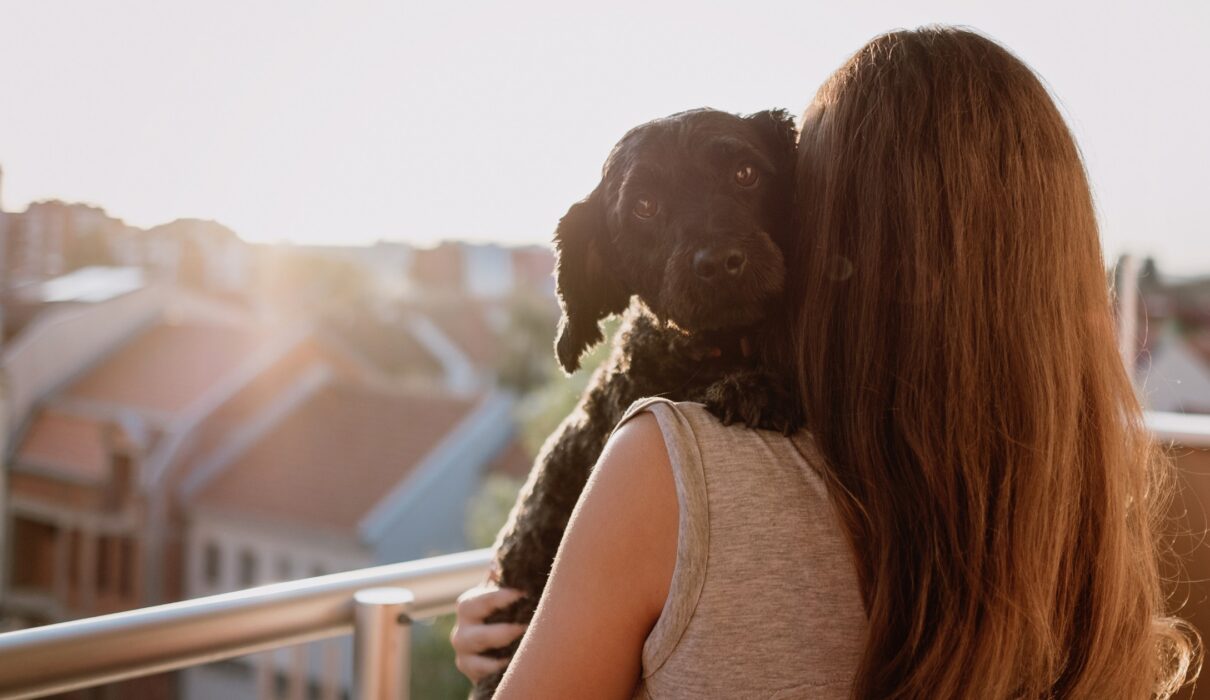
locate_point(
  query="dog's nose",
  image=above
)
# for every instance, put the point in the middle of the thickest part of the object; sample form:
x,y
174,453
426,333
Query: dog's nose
x,y
709,263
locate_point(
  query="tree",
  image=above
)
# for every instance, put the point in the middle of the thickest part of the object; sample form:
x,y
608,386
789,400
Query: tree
x,y
526,360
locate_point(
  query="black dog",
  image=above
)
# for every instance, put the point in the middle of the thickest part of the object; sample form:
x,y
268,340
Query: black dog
x,y
690,218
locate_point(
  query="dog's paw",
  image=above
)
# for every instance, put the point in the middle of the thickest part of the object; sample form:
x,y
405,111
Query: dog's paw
x,y
726,399
757,399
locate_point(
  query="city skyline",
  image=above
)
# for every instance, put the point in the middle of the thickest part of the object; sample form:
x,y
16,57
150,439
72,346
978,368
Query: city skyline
x,y
379,121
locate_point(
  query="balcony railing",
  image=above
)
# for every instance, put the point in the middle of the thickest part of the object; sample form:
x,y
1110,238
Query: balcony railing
x,y
374,604
1188,429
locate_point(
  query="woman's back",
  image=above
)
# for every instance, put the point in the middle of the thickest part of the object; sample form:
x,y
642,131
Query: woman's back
x,y
959,369
764,600
994,506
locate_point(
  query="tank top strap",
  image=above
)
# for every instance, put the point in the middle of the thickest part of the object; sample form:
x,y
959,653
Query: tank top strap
x,y
684,452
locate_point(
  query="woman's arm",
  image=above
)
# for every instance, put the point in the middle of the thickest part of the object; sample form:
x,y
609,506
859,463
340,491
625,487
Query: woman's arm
x,y
609,580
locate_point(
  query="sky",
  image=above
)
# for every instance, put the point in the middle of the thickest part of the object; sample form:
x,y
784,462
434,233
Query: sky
x,y
347,122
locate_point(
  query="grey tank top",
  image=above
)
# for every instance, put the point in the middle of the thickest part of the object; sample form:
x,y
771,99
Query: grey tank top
x,y
764,600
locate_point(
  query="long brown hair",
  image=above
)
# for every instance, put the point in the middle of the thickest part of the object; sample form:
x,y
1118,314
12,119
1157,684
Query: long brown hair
x,y
957,359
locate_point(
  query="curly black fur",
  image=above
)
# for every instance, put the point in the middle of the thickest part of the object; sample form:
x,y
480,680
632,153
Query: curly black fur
x,y
700,276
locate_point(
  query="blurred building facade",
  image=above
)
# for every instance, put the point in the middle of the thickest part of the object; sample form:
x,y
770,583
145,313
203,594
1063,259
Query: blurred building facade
x,y
185,414
1168,343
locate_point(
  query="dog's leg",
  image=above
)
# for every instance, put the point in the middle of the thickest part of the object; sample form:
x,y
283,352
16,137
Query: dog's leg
x,y
527,545
646,362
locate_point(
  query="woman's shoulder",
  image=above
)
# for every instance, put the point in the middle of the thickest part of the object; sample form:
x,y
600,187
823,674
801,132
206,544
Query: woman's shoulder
x,y
660,403
697,444
692,413
691,419
640,434
676,428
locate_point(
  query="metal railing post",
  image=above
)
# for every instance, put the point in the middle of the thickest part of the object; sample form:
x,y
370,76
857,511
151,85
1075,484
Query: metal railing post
x,y
381,643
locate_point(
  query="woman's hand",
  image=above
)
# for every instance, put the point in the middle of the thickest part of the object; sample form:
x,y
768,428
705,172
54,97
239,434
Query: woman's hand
x,y
471,636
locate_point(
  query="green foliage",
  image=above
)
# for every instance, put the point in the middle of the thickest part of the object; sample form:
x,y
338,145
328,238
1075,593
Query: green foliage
x,y
489,508
526,359
433,672
543,409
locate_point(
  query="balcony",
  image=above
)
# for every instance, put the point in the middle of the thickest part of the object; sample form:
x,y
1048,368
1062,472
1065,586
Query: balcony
x,y
375,605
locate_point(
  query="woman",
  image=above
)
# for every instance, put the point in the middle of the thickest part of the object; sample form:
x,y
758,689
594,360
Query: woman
x,y
982,498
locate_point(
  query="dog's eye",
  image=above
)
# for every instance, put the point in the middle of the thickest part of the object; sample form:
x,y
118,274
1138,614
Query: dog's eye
x,y
646,207
746,175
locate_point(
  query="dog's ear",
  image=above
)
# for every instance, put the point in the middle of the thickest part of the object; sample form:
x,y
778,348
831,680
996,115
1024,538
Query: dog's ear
x,y
588,291
777,126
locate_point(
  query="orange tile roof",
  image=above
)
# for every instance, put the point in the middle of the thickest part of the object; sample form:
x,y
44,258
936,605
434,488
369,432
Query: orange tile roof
x,y
256,396
169,366
465,322
335,456
66,443
52,489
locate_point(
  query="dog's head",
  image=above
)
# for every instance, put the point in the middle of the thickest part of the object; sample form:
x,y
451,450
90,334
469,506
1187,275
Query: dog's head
x,y
691,214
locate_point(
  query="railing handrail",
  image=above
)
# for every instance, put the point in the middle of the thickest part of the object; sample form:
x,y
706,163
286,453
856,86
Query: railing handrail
x,y
81,653
1188,429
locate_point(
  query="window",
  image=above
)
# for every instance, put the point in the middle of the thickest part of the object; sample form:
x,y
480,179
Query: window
x,y
125,567
247,569
104,565
74,547
33,554
121,472
212,565
315,690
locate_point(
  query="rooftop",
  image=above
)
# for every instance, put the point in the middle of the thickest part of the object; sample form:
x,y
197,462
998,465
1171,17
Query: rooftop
x,y
169,366
67,444
349,443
